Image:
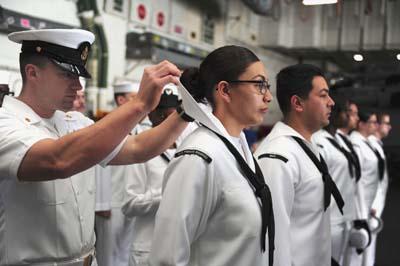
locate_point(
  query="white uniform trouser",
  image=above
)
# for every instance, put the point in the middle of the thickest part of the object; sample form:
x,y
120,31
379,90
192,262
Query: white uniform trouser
x,y
340,239
103,241
139,258
369,253
122,228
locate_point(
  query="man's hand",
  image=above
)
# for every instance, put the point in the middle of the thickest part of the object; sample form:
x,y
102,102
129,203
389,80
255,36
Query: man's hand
x,y
153,81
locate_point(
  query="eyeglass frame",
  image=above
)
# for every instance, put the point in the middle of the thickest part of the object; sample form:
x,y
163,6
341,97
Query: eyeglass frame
x,y
264,84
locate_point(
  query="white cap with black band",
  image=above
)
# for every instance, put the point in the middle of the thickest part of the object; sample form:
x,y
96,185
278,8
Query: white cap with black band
x,y
67,48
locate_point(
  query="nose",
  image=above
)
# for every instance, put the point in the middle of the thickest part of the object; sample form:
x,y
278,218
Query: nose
x,y
268,96
331,103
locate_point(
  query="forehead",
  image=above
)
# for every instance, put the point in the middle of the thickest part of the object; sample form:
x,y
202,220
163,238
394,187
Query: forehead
x,y
373,117
254,69
353,107
386,118
319,83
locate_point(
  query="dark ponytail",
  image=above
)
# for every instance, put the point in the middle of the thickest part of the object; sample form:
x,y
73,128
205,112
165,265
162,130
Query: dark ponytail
x,y
190,79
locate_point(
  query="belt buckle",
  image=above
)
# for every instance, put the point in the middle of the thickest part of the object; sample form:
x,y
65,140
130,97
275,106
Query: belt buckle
x,y
88,260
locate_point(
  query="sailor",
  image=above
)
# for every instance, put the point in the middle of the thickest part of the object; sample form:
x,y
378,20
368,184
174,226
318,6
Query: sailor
x,y
344,169
123,92
142,193
119,228
298,177
378,204
216,208
46,212
369,165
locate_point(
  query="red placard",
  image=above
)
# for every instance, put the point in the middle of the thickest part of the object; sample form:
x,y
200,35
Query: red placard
x,y
160,19
141,11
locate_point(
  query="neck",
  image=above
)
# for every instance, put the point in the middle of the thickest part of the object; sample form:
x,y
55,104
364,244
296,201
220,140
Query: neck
x,y
300,127
345,130
378,135
230,124
30,100
363,133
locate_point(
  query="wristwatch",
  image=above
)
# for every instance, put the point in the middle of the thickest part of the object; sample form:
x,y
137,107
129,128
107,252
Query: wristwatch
x,y
183,115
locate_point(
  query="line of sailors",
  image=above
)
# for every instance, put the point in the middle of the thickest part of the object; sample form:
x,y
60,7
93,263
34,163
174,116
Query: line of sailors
x,y
306,196
350,146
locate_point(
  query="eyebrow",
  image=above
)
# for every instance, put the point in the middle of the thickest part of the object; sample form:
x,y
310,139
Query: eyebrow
x,y
259,76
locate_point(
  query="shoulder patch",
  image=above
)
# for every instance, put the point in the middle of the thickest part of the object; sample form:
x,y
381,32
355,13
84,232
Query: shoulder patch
x,y
201,154
273,156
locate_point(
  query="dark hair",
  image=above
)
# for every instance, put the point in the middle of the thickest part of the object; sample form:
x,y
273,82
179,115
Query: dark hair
x,y
225,63
339,115
31,58
118,94
295,80
365,115
380,116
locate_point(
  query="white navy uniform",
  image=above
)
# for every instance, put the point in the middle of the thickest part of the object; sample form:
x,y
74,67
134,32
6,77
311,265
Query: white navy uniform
x,y
360,205
209,214
379,202
369,167
141,200
121,226
369,180
50,222
302,233
102,224
338,166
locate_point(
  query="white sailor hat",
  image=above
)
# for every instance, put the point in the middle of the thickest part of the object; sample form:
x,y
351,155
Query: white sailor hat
x,y
67,48
359,238
169,97
126,87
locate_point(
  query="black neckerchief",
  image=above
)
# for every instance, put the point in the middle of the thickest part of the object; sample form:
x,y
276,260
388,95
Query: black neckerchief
x,y
349,157
3,94
330,187
165,157
381,161
356,161
261,191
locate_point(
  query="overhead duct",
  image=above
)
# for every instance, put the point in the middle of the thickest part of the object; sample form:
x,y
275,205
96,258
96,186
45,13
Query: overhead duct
x,y
260,7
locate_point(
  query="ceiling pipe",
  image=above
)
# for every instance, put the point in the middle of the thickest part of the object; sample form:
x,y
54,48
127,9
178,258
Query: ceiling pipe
x,y
339,11
385,23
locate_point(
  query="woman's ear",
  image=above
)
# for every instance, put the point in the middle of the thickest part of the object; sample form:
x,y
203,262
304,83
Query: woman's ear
x,y
222,90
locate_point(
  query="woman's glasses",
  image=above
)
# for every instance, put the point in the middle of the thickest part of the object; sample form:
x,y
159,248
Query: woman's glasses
x,y
262,85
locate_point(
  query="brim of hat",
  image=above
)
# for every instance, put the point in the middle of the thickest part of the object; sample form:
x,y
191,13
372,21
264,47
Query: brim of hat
x,y
75,69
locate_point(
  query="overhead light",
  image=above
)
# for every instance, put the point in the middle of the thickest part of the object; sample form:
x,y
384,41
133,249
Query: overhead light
x,y
398,56
358,57
318,2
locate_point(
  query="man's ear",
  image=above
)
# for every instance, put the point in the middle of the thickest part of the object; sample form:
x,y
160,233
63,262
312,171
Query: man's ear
x,y
297,104
31,71
120,100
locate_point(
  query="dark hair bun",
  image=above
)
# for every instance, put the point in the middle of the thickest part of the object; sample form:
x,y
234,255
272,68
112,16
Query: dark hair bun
x,y
190,78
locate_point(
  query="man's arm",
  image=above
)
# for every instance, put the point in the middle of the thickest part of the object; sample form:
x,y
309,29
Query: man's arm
x,y
52,159
150,143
